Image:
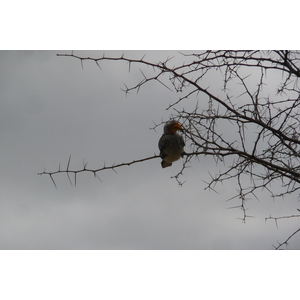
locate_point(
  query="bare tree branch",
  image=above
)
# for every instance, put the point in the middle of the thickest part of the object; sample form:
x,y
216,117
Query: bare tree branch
x,y
112,167
286,241
94,171
247,117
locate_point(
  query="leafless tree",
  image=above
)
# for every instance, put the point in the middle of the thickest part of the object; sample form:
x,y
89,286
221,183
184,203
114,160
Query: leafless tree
x,y
248,117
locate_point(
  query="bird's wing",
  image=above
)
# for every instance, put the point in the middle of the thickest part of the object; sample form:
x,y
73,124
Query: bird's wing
x,y
161,142
182,141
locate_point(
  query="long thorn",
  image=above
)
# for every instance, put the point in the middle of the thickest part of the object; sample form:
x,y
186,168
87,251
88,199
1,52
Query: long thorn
x,y
69,162
53,180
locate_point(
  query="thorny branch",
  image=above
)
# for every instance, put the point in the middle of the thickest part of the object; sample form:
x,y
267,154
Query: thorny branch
x,y
68,171
94,171
283,217
286,241
280,218
242,108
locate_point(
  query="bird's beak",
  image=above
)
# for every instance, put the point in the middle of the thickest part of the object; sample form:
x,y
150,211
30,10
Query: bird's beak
x,y
176,127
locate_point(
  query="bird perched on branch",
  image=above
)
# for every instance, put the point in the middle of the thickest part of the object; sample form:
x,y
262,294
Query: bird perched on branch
x,y
171,144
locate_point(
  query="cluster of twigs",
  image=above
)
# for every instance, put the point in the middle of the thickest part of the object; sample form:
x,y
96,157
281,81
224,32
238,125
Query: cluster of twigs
x,y
243,119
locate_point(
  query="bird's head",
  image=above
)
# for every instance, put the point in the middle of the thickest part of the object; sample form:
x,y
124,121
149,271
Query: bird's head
x,y
171,127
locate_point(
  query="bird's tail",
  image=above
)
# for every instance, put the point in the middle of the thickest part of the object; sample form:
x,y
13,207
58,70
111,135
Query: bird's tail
x,y
165,164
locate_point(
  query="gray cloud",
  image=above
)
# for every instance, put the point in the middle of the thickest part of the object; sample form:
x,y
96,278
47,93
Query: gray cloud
x,y
51,108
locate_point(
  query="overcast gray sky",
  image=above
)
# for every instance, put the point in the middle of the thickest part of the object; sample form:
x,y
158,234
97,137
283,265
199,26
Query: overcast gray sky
x,y
51,108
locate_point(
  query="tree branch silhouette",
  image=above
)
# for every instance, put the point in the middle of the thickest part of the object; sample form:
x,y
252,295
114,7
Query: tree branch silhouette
x,y
68,171
286,241
280,218
246,115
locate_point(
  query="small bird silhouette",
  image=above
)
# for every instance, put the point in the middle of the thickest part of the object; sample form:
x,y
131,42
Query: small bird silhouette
x,y
171,144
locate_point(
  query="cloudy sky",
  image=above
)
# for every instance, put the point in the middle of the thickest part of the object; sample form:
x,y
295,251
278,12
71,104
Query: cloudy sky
x,y
50,108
